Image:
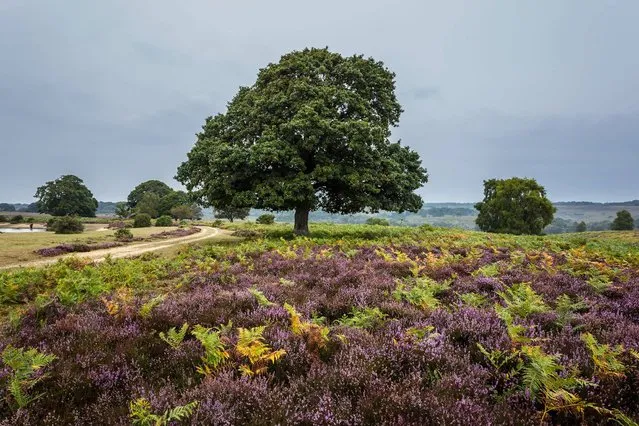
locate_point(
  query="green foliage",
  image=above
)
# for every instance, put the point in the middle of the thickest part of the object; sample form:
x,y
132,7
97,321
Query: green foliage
x,y
65,196
565,308
186,211
251,345
363,318
514,206
164,221
171,200
503,360
174,338
516,332
490,270
150,186
261,299
3,218
377,221
214,350
521,300
122,210
581,227
65,225
123,234
315,333
231,213
148,306
604,357
473,299
421,333
265,219
623,221
6,207
17,219
149,204
423,292
142,220
311,133
141,415
24,365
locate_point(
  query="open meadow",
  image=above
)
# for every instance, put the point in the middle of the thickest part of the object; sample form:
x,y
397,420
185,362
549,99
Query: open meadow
x,y
353,325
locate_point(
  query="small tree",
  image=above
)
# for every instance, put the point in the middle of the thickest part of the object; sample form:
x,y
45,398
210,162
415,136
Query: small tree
x,y
171,200
623,221
66,196
155,186
581,227
65,225
142,220
186,211
231,213
514,206
149,204
164,221
265,219
313,132
122,210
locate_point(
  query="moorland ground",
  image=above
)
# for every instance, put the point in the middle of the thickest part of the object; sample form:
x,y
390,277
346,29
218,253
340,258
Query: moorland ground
x,y
354,325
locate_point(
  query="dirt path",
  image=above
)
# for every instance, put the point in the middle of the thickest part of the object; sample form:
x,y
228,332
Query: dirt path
x,y
126,251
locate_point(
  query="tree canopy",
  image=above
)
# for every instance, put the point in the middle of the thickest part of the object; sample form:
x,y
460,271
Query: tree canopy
x,y
623,221
154,186
232,213
514,206
312,132
66,195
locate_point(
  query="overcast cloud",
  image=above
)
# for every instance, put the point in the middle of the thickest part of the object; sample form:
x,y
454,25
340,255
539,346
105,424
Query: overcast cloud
x,y
114,91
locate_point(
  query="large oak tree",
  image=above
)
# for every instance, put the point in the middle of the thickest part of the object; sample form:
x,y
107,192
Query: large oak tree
x,y
312,132
66,195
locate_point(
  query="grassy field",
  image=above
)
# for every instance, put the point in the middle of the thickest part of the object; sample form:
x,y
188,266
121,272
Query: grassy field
x,y
353,325
19,247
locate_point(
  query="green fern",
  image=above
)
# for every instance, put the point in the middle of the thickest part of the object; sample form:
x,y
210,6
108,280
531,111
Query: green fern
x,y
599,283
173,337
604,357
422,333
490,270
423,292
516,332
214,350
140,413
473,299
500,359
146,308
261,299
521,300
565,308
363,318
24,365
251,344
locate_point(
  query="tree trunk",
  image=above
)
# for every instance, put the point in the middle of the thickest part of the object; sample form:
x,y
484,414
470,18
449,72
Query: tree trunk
x,y
301,221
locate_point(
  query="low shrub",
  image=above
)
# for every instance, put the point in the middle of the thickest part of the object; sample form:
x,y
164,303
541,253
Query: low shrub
x,y
3,218
117,225
265,219
142,220
17,219
164,221
247,233
123,234
65,225
377,221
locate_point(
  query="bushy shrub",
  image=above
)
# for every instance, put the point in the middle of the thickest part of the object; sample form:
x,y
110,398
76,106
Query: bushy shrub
x,y
164,221
123,234
17,219
247,233
65,225
142,220
3,218
265,219
377,221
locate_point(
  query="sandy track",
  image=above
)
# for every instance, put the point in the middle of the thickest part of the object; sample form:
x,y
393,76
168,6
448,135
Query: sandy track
x,y
126,251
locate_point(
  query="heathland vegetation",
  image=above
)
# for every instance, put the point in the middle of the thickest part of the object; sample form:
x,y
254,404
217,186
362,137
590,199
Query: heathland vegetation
x,y
329,324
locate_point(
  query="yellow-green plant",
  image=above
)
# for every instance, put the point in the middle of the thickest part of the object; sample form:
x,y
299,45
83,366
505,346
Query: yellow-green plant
x,y
473,299
500,359
251,345
141,415
173,337
423,292
260,297
24,364
604,357
516,332
422,333
490,270
363,318
521,300
314,332
148,306
565,307
214,350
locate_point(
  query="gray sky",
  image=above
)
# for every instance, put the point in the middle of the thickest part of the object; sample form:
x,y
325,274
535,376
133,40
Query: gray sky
x,y
114,91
